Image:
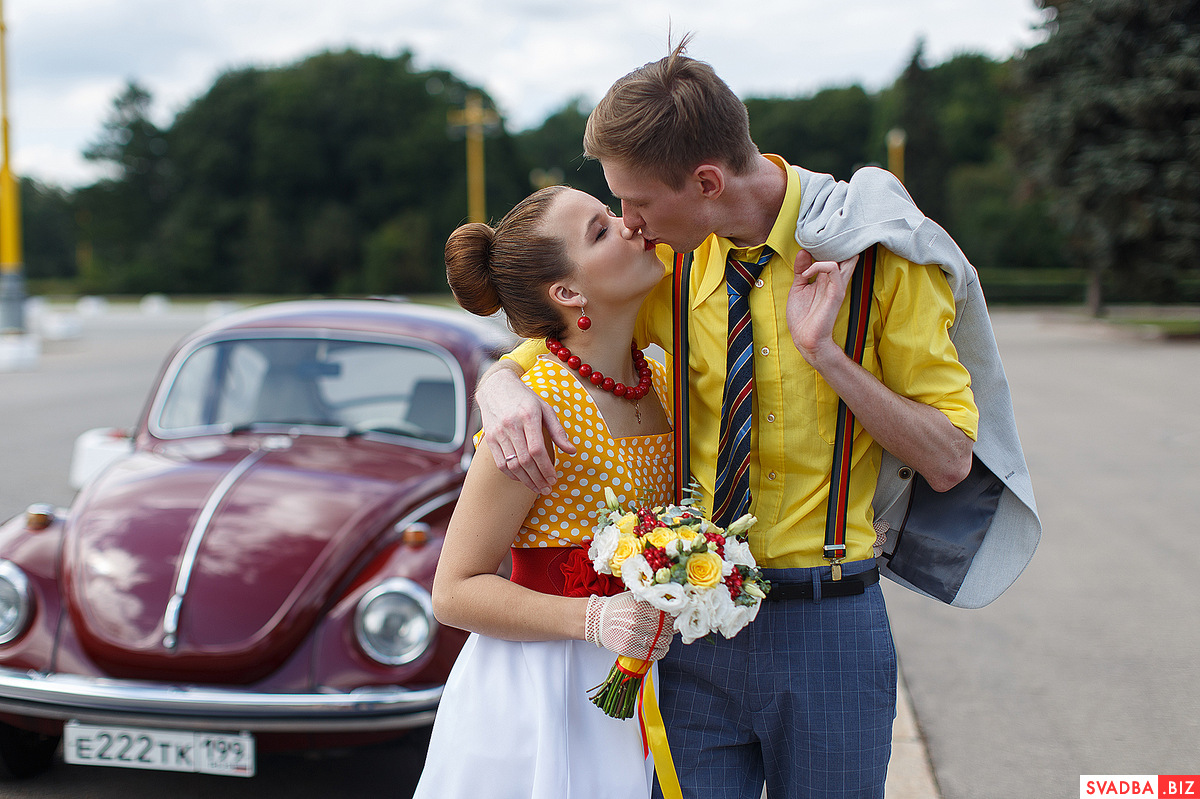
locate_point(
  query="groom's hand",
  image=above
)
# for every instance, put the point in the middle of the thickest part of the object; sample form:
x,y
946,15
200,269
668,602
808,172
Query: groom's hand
x,y
813,304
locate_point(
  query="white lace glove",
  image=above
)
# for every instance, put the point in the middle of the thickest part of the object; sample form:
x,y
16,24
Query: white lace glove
x,y
627,626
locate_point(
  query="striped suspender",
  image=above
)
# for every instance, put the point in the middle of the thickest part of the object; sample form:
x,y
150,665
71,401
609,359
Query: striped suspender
x,y
683,469
664,767
839,479
860,313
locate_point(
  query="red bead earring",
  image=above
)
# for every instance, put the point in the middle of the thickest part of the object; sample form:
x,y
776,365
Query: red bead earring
x,y
583,322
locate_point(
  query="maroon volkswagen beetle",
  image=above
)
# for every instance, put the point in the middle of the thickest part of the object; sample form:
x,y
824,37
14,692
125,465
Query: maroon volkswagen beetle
x,y
250,569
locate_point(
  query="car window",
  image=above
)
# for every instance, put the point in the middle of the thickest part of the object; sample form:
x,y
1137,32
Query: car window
x,y
363,386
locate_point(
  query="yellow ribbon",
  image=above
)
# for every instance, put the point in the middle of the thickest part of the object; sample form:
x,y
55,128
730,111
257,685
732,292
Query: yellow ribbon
x,y
656,738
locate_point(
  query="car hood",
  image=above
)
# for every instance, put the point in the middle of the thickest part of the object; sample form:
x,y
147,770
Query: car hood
x,y
212,563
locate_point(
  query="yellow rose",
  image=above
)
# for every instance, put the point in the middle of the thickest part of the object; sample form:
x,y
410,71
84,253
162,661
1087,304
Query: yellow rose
x,y
627,523
704,569
686,533
660,536
627,546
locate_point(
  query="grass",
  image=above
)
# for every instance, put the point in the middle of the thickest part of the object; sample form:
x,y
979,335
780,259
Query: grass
x,y
1167,327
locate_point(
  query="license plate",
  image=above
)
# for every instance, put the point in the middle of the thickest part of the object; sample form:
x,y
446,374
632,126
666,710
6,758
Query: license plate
x,y
231,754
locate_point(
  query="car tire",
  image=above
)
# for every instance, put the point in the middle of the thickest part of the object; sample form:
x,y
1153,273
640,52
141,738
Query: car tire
x,y
24,753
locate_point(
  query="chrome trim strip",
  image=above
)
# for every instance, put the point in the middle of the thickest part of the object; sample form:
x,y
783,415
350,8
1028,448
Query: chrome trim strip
x,y
96,700
427,507
188,562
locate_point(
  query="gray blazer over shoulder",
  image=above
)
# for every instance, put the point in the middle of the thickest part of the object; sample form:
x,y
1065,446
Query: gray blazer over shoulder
x,y
839,219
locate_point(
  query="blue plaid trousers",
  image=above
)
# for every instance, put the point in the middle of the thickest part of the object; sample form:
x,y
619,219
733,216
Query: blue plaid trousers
x,y
802,699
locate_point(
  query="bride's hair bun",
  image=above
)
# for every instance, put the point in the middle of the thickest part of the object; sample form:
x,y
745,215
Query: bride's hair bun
x,y
511,267
469,268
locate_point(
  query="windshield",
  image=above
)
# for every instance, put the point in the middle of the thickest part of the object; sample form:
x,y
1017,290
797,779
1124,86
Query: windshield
x,y
358,386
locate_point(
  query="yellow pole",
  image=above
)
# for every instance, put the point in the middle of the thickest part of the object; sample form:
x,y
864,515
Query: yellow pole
x,y
474,118
896,139
12,289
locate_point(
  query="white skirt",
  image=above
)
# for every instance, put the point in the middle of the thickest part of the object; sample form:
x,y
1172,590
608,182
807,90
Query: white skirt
x,y
515,722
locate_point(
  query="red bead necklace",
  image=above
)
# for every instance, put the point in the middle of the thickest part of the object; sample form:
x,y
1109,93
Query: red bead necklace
x,y
633,393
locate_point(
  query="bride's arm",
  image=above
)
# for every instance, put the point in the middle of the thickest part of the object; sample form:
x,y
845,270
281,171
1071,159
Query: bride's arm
x,y
467,592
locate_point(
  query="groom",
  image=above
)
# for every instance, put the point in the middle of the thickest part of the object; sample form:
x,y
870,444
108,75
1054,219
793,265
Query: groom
x,y
803,699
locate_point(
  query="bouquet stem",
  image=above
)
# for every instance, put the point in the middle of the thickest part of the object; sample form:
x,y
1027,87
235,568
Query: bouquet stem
x,y
617,695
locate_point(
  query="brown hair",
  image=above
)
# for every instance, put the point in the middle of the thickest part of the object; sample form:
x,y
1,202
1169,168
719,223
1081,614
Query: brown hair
x,y
507,266
668,117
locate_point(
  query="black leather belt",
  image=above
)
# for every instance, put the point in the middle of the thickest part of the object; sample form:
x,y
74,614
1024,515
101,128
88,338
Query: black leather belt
x,y
850,585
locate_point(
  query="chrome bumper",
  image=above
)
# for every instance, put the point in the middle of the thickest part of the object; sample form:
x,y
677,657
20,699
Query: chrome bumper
x,y
104,701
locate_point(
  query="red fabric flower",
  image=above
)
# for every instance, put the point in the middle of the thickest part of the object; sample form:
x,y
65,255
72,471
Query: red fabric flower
x,y
580,577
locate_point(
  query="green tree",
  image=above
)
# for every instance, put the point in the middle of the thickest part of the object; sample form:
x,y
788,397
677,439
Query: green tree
x,y
554,152
399,257
828,132
995,225
119,211
926,159
48,230
276,180
970,103
1110,127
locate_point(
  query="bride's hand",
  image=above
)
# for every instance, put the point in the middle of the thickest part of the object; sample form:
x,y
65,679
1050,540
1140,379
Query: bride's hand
x,y
628,626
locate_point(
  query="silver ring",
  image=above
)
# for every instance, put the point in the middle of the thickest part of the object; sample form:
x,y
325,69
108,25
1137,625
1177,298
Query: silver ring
x,y
510,458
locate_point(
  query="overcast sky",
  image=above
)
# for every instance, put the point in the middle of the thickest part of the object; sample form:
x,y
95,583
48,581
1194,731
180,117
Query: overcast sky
x,y
67,59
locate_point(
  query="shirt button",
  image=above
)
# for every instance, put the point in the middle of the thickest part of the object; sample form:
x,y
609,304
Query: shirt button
x,y
766,350
770,417
758,283
771,476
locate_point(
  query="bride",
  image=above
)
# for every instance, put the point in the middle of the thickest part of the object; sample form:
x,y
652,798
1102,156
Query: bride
x,y
515,719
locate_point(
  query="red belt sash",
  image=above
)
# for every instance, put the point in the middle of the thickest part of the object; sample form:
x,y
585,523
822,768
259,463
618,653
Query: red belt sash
x,y
563,571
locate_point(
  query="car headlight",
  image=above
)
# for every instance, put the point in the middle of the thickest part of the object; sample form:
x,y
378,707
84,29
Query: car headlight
x,y
394,622
14,601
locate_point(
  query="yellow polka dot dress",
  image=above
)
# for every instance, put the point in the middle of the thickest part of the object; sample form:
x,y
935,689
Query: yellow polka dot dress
x,y
639,469
518,712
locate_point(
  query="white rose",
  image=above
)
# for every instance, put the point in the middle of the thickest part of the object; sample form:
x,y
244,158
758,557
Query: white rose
x,y
737,551
637,574
734,617
603,547
719,608
695,620
667,597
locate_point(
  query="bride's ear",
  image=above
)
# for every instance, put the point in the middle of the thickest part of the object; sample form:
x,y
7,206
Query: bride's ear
x,y
563,295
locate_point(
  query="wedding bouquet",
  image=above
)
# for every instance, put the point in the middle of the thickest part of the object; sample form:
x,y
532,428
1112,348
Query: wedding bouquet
x,y
684,565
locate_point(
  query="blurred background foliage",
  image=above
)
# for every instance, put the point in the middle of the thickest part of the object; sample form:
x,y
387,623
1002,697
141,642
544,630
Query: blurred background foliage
x,y
1069,172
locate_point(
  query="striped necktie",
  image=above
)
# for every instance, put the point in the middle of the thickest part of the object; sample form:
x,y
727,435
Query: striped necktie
x,y
731,497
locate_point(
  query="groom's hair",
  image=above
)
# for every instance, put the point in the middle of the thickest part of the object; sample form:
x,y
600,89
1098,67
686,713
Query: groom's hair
x,y
668,117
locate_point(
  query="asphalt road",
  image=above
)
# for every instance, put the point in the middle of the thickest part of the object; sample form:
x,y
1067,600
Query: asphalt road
x,y
1088,665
